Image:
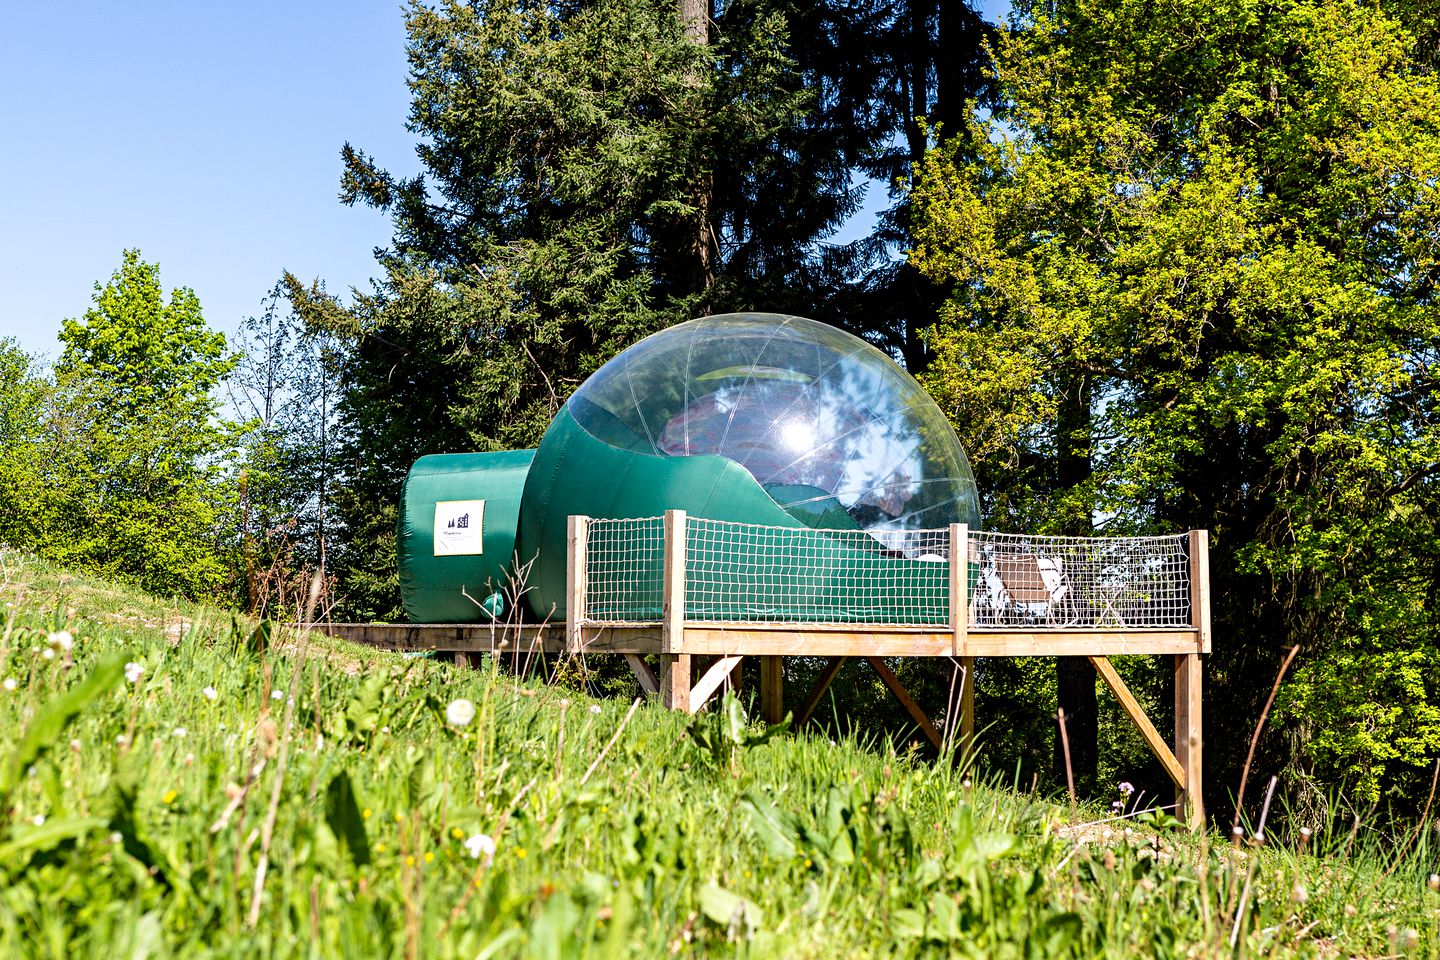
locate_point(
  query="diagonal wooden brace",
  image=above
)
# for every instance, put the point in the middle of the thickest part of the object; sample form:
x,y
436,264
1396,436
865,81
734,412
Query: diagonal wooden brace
x,y
711,682
907,701
643,674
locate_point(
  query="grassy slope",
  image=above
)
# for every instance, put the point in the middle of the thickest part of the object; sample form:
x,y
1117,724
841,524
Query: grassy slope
x,y
795,848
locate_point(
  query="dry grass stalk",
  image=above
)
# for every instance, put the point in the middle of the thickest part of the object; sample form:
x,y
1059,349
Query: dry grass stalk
x,y
1255,737
267,832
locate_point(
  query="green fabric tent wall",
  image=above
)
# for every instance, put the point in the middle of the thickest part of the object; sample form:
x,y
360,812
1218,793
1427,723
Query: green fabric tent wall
x,y
433,584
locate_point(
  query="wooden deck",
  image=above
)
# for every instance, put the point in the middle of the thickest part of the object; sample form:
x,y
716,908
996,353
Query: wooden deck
x,y
671,642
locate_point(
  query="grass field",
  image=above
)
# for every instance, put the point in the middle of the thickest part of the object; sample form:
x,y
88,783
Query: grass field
x,y
171,784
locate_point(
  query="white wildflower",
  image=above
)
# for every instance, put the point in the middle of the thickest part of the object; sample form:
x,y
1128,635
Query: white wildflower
x,y
210,693
479,846
460,713
38,819
75,746
61,640
180,733
9,684
1435,881
277,694
48,653
595,708
134,671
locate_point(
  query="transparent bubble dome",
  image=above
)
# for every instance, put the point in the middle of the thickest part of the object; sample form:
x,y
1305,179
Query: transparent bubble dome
x,y
833,429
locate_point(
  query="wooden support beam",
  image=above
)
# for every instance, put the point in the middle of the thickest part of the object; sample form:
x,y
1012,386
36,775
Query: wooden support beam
x,y
708,684
822,683
1189,802
1200,586
675,681
755,639
959,586
1137,716
889,640
473,638
646,677
772,689
577,530
672,626
907,701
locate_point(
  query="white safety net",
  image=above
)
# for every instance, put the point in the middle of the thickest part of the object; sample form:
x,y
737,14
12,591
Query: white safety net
x,y
742,571
624,570
1129,583
749,572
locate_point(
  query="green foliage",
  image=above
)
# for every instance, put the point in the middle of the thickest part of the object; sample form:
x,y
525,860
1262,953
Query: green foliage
x,y
116,463
722,734
1194,254
139,825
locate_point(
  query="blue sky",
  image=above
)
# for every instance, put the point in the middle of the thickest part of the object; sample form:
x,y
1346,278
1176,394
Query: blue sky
x,y
207,135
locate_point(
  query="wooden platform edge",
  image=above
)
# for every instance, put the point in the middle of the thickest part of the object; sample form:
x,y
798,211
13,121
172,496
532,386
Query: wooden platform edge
x,y
749,640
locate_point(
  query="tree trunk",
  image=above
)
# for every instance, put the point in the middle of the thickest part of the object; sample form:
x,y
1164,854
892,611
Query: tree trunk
x,y
689,246
695,15
1075,676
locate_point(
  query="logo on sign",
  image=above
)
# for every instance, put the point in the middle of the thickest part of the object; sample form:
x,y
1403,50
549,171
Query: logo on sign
x,y
459,527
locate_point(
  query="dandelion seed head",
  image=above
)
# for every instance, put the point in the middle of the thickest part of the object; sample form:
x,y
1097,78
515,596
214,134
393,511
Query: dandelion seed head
x,y
48,653
460,712
1434,882
210,693
75,746
38,819
595,708
61,640
480,845
9,684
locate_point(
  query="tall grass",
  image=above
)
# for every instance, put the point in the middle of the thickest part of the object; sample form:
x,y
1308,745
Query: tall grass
x,y
406,808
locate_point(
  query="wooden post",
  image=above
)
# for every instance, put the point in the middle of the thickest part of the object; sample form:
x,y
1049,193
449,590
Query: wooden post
x,y
674,663
959,587
1189,801
960,629
772,689
1200,586
577,532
